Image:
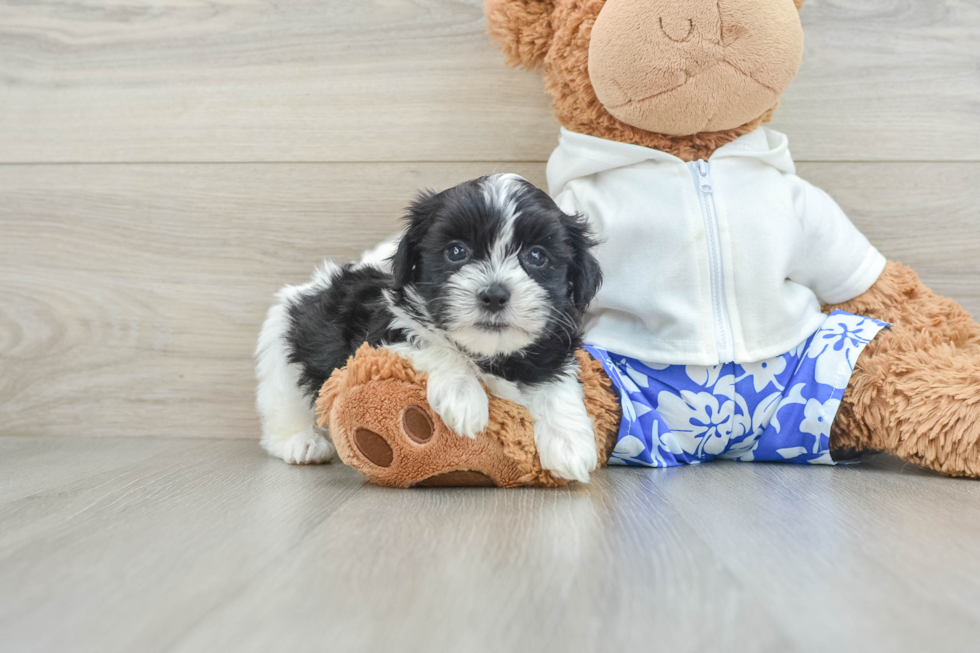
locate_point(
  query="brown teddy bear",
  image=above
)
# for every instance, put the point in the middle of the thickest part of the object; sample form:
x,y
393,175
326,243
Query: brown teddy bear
x,y
646,90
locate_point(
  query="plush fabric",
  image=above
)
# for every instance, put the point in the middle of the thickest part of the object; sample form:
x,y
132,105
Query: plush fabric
x,y
378,418
555,35
681,68
915,391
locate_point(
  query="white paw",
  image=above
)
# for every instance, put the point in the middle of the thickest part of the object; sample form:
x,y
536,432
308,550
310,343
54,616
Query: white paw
x,y
569,454
307,448
461,402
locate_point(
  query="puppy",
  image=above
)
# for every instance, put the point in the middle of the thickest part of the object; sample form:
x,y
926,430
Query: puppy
x,y
488,283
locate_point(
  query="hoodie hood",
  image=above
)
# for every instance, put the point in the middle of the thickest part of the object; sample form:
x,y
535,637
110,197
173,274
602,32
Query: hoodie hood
x,y
580,155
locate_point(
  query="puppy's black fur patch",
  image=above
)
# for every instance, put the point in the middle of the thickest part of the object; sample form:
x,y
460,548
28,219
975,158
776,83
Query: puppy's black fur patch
x,y
328,325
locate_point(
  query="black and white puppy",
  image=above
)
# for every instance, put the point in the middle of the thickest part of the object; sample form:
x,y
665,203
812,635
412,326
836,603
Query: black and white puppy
x,y
489,282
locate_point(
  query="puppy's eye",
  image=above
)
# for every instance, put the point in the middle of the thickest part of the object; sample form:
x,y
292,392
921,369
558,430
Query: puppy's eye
x,y
536,257
457,252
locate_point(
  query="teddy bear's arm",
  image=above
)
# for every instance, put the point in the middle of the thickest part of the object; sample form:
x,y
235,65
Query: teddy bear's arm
x,y
839,262
382,425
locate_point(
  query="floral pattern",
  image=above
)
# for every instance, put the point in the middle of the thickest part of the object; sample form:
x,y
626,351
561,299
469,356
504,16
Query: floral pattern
x,y
779,409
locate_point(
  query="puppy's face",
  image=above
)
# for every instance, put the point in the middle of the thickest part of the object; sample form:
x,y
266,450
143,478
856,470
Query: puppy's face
x,y
496,265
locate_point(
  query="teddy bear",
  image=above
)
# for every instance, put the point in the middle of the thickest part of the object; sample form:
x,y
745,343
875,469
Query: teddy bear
x,y
743,315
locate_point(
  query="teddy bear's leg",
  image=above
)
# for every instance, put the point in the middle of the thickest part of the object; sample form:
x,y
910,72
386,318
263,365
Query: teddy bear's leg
x,y
916,389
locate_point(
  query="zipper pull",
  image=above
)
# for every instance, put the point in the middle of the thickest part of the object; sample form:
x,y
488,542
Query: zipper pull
x,y
704,183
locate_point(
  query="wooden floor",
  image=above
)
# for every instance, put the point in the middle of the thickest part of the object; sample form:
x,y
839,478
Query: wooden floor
x,y
114,544
166,165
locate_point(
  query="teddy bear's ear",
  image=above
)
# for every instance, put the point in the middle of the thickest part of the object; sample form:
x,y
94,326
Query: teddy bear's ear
x,y
799,3
522,28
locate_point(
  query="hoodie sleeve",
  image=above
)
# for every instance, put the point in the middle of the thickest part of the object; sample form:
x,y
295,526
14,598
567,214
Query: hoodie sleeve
x,y
839,262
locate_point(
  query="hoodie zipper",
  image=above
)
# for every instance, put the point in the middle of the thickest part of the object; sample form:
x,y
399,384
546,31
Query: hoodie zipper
x,y
724,338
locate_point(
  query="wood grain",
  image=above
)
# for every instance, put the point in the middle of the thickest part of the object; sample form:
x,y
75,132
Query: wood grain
x,y
889,80
248,140
132,558
418,80
841,536
194,546
922,214
131,296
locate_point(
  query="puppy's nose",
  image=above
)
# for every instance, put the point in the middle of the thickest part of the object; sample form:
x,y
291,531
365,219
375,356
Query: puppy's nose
x,y
494,298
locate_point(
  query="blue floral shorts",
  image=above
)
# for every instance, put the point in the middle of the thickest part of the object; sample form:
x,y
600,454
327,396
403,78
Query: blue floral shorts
x,y
779,409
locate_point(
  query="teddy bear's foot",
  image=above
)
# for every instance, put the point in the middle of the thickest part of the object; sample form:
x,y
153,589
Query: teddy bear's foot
x,y
915,392
382,426
922,406
408,447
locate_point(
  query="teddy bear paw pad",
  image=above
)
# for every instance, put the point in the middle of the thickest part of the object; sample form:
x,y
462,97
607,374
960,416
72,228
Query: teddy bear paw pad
x,y
461,478
373,447
417,424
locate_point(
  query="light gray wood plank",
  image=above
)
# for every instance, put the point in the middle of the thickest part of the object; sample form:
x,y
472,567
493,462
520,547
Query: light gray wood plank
x,y
133,558
907,581
131,296
607,567
880,556
205,546
32,465
178,552
883,81
269,80
409,80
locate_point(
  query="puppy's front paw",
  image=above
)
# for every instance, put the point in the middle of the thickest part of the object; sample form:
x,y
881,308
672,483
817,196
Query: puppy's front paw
x,y
461,402
307,448
567,454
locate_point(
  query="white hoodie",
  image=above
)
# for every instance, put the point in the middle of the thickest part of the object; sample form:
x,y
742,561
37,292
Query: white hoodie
x,y
709,262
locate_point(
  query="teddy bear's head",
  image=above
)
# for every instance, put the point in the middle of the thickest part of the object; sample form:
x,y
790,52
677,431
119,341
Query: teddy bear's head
x,y
684,76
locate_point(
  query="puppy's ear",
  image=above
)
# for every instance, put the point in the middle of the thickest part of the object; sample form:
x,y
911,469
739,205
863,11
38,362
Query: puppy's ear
x,y
584,273
405,261
522,28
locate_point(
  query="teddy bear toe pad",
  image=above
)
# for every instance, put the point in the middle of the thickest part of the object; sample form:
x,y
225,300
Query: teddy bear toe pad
x,y
417,424
373,447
